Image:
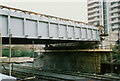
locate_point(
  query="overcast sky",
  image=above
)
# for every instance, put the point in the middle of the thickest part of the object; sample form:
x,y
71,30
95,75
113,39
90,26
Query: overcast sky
x,y
70,9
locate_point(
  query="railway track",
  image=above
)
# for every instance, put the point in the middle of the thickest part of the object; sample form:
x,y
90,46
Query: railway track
x,y
40,74
23,76
26,71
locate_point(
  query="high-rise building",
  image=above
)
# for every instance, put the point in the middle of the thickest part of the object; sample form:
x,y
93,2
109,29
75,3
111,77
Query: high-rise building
x,y
107,14
115,14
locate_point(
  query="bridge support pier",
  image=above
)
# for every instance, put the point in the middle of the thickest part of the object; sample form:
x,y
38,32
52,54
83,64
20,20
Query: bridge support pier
x,y
84,61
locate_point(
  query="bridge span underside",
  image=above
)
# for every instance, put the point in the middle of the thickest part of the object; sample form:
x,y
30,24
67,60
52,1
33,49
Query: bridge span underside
x,y
39,41
24,27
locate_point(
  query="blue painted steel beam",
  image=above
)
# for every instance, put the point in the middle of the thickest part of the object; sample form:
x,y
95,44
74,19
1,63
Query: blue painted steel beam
x,y
34,26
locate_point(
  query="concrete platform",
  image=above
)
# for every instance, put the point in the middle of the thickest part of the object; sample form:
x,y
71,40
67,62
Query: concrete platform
x,y
6,78
16,59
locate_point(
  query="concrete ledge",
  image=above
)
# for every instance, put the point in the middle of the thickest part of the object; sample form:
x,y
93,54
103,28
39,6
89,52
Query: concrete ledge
x,y
16,59
81,50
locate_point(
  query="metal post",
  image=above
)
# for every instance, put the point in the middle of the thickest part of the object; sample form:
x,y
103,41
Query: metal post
x,y
0,42
111,56
10,53
99,62
77,62
95,61
0,45
0,53
33,58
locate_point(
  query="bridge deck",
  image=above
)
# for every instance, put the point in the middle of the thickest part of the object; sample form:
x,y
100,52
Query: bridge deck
x,y
26,25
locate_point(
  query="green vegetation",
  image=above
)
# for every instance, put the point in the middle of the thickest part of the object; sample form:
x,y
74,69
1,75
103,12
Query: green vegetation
x,y
116,53
18,52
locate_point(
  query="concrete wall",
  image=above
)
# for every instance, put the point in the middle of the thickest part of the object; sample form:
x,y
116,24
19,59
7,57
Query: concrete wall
x,y
76,62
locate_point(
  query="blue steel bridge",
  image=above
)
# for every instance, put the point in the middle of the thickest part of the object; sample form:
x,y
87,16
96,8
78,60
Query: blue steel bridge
x,y
23,27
